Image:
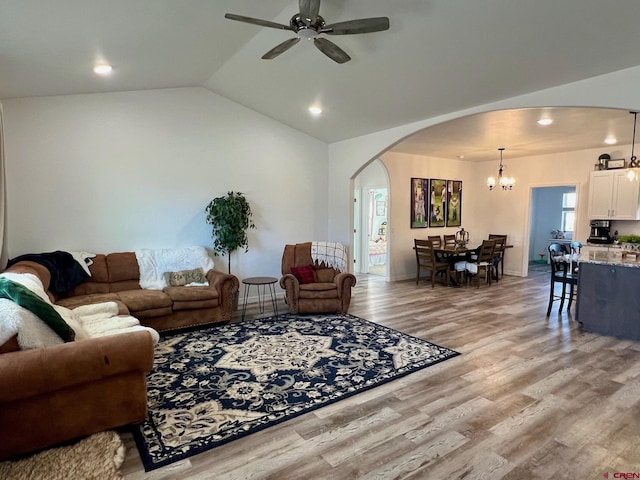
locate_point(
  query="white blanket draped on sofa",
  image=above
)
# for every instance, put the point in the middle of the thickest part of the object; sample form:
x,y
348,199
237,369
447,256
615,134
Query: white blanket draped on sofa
x,y
154,263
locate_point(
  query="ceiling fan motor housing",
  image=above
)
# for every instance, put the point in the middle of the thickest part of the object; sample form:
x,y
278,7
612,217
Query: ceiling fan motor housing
x,y
306,27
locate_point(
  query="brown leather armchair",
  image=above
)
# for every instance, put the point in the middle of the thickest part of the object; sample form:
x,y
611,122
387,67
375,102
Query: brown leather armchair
x,y
326,290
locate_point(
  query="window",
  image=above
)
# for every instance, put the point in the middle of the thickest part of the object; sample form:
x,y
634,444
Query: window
x,y
568,211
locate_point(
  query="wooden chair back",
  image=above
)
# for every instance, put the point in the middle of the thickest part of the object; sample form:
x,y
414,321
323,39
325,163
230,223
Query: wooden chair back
x,y
485,254
449,240
425,255
426,259
436,240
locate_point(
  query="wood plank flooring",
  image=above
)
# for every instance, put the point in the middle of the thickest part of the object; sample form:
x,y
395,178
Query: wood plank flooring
x,y
529,398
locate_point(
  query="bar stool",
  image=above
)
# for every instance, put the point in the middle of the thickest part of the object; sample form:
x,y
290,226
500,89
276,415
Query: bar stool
x,y
561,272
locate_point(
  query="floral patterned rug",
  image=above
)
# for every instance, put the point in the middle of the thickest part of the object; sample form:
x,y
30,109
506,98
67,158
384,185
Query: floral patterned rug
x,y
211,386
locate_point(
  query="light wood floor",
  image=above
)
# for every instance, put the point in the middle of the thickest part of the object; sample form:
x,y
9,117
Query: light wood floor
x,y
529,398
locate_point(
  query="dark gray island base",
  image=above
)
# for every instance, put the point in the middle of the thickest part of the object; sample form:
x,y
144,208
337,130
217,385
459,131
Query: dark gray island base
x,y
609,298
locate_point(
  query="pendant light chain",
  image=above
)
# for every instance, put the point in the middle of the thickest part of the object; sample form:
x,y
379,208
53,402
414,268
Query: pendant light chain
x,y
505,182
633,163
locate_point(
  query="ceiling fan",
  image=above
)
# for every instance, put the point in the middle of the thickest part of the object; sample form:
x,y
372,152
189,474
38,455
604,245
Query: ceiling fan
x,y
309,24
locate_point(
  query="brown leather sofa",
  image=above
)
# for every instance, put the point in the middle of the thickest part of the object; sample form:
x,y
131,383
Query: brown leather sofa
x,y
55,394
329,290
115,277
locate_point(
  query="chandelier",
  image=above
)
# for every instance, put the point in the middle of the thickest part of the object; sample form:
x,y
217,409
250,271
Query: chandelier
x,y
506,183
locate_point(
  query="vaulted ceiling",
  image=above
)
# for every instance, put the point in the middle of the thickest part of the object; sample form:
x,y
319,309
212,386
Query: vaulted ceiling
x,y
438,56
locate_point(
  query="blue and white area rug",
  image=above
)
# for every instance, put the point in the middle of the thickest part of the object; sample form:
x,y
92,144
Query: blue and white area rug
x,y
211,386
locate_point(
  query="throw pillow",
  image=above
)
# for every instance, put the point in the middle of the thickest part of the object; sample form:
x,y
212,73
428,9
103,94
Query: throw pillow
x,y
184,277
304,274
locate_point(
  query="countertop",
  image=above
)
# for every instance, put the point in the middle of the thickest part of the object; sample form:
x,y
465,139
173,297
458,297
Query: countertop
x,y
610,256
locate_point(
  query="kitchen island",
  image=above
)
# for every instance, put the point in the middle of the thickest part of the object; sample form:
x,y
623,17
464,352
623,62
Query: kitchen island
x,y
608,299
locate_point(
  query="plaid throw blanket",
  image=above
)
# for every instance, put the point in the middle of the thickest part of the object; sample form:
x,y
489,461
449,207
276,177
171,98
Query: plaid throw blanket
x,y
332,254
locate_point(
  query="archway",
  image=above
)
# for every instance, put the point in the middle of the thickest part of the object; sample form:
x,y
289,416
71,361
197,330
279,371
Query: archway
x,y
491,210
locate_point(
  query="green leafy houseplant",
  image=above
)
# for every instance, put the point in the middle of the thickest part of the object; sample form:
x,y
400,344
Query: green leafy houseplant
x,y
629,239
230,218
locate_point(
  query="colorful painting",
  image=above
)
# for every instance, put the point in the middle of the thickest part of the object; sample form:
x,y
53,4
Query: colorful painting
x,y
419,202
438,202
454,203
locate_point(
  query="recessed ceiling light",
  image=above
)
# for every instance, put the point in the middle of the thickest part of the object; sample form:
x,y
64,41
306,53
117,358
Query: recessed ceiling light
x,y
315,110
610,141
545,121
102,69
460,156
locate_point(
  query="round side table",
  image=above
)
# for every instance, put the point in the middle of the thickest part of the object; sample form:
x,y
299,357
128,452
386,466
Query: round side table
x,y
258,282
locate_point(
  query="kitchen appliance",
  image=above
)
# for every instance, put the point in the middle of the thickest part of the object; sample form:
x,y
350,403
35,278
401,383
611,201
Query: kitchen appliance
x,y
600,232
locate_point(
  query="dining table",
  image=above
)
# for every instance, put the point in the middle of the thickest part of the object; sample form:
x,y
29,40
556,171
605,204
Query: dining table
x,y
447,251
444,252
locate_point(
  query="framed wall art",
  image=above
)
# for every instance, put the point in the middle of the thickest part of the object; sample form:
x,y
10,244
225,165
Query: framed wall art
x,y
454,203
437,202
419,202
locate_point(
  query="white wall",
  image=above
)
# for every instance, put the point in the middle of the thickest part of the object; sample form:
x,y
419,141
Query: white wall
x,y
120,171
615,90
401,168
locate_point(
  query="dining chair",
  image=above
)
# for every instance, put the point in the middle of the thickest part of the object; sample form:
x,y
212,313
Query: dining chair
x,y
436,240
426,260
501,241
449,240
483,264
563,274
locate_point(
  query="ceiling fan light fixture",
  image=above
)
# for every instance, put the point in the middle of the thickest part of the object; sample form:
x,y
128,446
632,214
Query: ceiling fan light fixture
x,y
307,33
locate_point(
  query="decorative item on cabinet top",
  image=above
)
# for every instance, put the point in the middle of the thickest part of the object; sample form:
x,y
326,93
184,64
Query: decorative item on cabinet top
x,y
602,162
615,163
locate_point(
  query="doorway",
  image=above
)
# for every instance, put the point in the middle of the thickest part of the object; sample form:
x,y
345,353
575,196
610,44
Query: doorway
x,y
371,220
551,219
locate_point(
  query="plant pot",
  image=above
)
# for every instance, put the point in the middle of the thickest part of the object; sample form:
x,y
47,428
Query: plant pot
x,y
631,247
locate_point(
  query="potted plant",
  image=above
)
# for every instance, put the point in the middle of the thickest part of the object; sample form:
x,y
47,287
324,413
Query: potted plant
x,y
230,218
630,243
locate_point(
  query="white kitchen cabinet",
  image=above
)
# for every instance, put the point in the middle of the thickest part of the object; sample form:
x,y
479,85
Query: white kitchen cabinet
x,y
612,196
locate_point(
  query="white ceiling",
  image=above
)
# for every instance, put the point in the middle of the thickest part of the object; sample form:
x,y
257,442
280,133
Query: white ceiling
x,y
438,56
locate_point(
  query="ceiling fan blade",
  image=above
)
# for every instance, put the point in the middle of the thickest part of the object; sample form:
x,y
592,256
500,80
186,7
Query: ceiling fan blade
x,y
280,48
309,9
257,21
362,25
331,50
